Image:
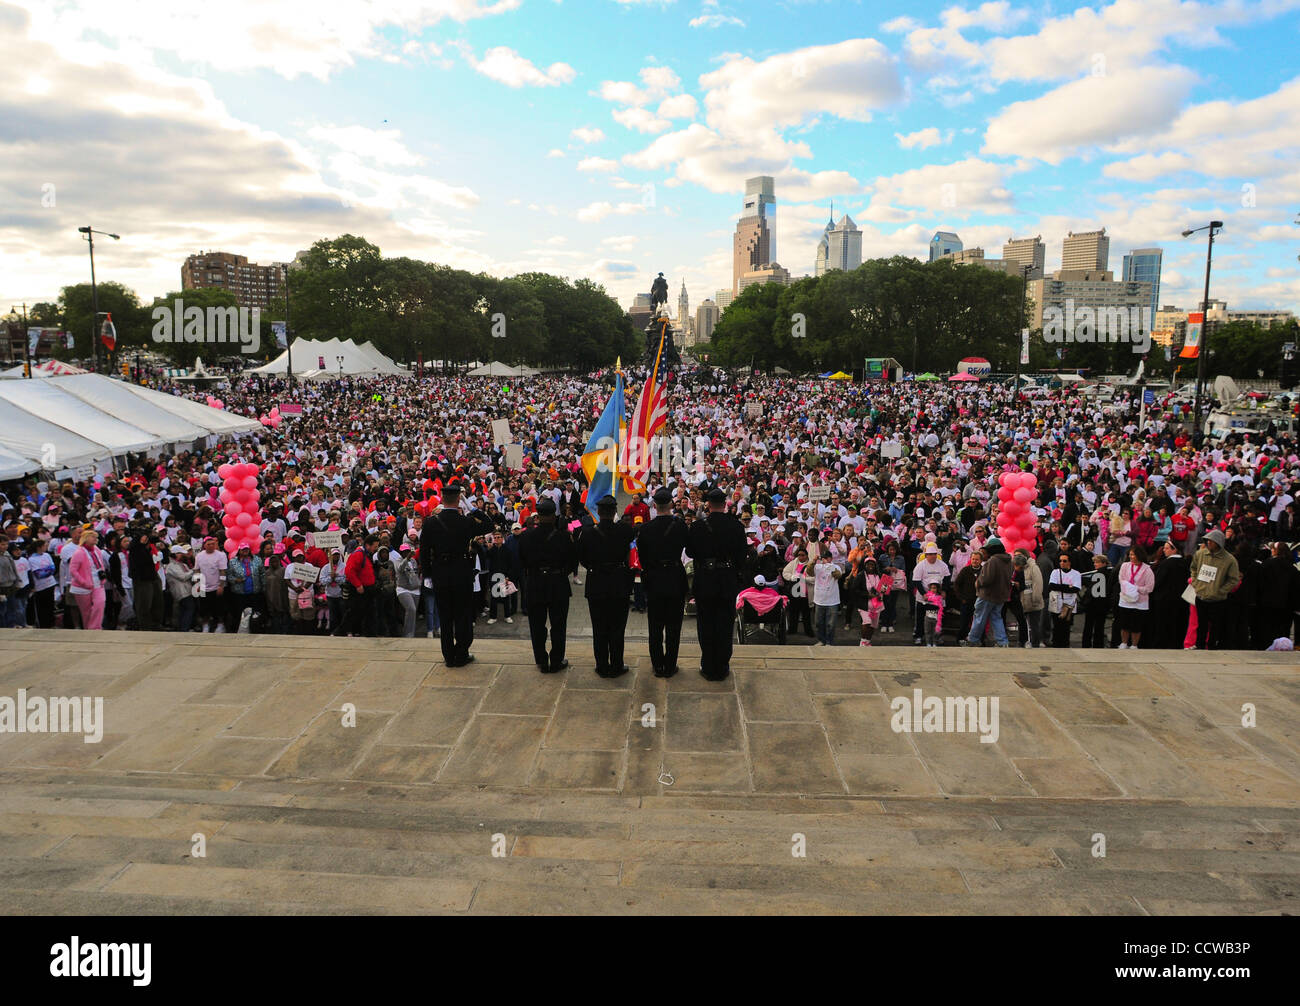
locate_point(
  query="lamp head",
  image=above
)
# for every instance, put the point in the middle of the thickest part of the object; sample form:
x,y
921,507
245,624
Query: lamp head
x,y
83,230
1216,225
1187,233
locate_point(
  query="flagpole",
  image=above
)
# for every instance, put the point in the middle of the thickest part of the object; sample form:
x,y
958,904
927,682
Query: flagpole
x,y
618,374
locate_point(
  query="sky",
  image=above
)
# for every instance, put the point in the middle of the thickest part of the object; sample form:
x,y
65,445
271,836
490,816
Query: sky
x,y
612,138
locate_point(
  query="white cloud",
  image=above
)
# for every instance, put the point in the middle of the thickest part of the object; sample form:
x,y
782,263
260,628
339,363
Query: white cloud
x,y
1089,112
506,66
384,146
597,164
555,152
641,120
679,106
849,80
242,35
715,21
594,212
619,242
956,190
587,134
921,139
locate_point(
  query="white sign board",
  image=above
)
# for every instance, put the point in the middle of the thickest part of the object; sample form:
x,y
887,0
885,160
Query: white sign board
x,y
754,410
515,457
891,449
819,494
501,432
303,571
328,541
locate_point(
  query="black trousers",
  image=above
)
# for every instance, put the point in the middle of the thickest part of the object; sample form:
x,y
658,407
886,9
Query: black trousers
x,y
1094,629
715,618
665,615
456,609
1061,633
554,608
608,626
799,610
361,612
1209,624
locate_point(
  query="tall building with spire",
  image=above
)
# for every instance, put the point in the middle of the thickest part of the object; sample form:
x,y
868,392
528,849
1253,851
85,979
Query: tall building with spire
x,y
754,244
840,246
684,313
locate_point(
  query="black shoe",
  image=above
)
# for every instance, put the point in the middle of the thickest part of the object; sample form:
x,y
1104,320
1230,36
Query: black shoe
x,y
715,677
544,668
453,662
467,659
562,665
609,672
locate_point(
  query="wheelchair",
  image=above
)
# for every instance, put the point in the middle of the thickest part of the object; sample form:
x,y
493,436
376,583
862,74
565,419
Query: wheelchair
x,y
749,622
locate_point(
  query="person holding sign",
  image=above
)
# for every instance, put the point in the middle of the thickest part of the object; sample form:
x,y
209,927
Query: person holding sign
x,y
1215,575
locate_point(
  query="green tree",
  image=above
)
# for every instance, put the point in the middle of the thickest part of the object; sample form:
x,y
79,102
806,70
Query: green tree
x,y
129,318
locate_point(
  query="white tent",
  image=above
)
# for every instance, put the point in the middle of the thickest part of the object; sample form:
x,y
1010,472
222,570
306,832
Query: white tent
x,y
46,368
495,369
67,423
308,354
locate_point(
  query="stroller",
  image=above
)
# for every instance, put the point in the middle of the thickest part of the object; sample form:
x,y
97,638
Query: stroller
x,y
760,608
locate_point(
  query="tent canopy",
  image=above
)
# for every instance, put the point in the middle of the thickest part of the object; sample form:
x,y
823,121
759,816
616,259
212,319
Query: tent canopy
x,y
46,368
88,419
308,354
927,376
495,369
965,375
839,375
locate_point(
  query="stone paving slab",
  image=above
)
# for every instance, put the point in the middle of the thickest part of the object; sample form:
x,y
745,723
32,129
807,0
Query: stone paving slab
x,y
364,776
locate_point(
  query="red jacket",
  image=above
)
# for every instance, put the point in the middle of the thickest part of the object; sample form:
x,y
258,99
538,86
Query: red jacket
x,y
359,569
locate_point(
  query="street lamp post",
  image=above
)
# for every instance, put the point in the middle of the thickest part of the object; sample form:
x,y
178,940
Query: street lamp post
x,y
27,343
340,359
90,233
1213,227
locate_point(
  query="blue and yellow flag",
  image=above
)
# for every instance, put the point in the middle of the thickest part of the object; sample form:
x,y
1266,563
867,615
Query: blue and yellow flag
x,y
600,459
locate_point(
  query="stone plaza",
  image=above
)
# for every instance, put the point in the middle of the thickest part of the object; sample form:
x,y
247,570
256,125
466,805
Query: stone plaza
x,y
275,774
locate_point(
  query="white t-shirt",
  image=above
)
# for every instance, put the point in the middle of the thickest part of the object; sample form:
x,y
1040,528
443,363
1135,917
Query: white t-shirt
x,y
213,567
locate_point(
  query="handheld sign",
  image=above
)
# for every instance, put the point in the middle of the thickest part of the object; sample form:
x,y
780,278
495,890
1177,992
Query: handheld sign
x,y
891,450
327,541
515,457
754,410
819,494
291,408
501,432
303,571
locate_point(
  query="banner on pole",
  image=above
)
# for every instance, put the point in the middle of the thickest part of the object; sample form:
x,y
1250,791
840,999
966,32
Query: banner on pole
x,y
1192,343
1024,346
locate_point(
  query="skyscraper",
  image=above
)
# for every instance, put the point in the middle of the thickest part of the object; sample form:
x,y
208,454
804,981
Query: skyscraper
x,y
754,245
1027,252
1087,251
1142,265
706,316
840,246
684,313
944,243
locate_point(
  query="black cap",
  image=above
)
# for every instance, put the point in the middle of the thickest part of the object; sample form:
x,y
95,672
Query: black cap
x,y
662,495
451,489
606,502
716,496
546,507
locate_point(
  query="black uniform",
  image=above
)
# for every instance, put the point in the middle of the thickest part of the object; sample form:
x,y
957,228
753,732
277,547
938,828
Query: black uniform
x,y
718,546
603,549
549,558
446,558
659,548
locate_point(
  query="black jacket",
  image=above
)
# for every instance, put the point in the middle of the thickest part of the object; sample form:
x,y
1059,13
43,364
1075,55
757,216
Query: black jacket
x,y
549,557
717,544
659,548
445,555
603,549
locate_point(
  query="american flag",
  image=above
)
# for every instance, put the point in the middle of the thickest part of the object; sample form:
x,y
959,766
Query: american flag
x,y
649,417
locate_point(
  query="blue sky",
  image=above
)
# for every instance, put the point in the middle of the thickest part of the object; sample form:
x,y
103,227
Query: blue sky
x,y
612,140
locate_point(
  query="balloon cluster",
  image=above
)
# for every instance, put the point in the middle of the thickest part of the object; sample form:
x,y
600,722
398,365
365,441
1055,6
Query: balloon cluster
x,y
272,418
216,403
1016,517
242,516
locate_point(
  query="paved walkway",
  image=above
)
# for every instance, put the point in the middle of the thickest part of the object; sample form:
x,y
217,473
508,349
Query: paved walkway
x,y
494,788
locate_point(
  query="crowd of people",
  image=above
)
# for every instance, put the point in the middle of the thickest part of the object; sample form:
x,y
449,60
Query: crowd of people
x,y
865,507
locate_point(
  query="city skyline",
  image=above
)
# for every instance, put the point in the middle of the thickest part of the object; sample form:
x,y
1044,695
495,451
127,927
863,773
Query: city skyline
x,y
483,136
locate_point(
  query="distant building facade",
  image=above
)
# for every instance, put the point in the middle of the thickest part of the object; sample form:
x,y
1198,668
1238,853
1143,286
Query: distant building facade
x,y
840,246
943,244
754,243
253,285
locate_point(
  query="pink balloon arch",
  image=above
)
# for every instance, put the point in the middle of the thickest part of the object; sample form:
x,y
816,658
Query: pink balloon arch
x,y
242,513
1016,518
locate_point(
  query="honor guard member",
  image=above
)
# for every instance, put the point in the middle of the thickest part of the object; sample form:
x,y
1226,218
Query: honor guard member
x,y
603,549
549,558
717,544
659,546
449,564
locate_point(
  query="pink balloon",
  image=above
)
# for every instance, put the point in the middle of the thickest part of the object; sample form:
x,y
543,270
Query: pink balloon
x,y
250,482
228,520
232,484
1027,480
244,519
224,471
234,508
1005,494
1026,520
225,496
253,496
1023,495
